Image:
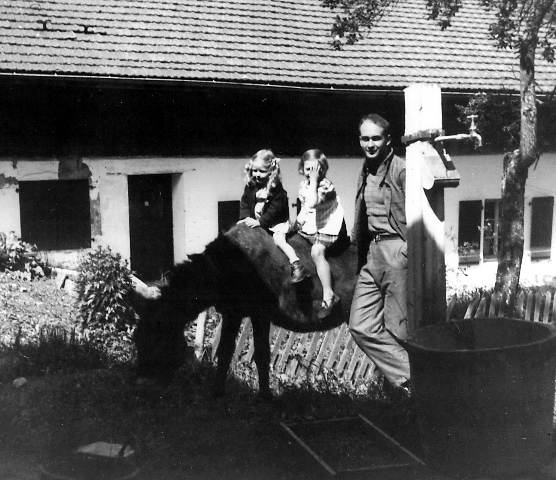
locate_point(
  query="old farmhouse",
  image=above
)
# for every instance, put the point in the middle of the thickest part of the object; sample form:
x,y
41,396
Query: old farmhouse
x,y
128,123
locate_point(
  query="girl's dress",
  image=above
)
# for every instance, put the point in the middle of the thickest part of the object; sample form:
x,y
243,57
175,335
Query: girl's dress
x,y
327,216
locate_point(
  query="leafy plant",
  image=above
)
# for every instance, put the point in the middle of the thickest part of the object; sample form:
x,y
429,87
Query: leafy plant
x,y
106,314
17,255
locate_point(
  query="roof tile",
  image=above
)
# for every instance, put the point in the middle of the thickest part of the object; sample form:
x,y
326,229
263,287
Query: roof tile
x,y
258,41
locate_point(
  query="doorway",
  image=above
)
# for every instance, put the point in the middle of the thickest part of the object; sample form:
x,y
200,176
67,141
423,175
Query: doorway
x,y
150,225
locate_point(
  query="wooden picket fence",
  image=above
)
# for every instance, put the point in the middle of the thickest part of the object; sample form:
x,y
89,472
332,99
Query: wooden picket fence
x,y
531,306
306,354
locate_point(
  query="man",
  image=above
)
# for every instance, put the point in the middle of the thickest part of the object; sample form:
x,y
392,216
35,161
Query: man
x,y
378,314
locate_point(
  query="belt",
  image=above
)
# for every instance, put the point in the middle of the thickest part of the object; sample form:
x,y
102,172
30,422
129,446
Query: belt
x,y
379,237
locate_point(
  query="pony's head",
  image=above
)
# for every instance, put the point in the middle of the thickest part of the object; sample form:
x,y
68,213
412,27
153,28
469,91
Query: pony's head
x,y
159,337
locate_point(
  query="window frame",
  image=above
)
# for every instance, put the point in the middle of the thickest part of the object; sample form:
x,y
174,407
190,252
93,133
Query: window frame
x,y
478,255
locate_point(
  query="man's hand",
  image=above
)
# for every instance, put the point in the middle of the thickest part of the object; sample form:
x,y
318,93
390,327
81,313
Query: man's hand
x,y
250,222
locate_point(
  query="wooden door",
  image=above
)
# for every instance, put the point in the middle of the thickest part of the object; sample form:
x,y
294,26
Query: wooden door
x,y
150,225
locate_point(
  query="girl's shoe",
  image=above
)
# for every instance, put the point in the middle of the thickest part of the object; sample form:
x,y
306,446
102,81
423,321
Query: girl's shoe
x,y
298,272
327,307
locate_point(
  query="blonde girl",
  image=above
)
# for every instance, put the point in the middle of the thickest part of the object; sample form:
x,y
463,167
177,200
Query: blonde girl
x,y
264,203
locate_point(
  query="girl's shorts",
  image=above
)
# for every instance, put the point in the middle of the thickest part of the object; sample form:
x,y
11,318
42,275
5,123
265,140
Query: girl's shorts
x,y
322,238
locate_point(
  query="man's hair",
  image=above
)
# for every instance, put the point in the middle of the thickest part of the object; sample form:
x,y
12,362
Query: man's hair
x,y
377,120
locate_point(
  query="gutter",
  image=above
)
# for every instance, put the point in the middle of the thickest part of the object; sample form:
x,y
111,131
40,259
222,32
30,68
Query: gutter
x,y
230,84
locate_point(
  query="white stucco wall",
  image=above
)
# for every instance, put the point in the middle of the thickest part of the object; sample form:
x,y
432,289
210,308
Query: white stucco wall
x,y
199,183
481,179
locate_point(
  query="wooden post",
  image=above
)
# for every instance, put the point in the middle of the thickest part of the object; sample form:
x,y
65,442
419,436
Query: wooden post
x,y
427,174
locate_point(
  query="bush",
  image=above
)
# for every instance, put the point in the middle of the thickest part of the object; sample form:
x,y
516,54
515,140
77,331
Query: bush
x,y
103,288
17,255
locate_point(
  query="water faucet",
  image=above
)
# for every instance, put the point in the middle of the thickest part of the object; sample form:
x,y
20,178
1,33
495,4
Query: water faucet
x,y
472,135
473,132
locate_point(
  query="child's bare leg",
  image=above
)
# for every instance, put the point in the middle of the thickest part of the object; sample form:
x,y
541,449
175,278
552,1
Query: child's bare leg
x,y
323,271
282,244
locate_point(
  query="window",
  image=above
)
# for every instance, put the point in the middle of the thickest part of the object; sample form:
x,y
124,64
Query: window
x,y
469,228
55,215
542,209
228,214
476,217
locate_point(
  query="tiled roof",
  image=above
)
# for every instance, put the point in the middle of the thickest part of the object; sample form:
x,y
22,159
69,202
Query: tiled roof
x,y
282,42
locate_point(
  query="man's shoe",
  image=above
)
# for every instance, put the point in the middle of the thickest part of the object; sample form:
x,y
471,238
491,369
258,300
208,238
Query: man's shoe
x,y
298,272
327,307
398,394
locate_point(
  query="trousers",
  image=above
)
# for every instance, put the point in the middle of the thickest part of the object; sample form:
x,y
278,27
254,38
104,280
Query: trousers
x,y
378,316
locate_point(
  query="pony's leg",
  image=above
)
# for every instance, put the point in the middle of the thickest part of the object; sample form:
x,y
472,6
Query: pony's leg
x,y
226,347
261,330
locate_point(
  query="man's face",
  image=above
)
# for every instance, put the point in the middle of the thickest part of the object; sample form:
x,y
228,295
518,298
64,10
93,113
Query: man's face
x,y
373,142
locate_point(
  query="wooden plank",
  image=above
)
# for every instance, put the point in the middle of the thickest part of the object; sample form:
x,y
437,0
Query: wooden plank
x,y
340,334
330,334
297,354
546,310
471,307
529,305
285,355
343,363
309,450
426,284
553,319
519,304
280,337
251,351
313,349
539,297
199,345
450,307
364,368
481,309
494,306
371,371
216,340
356,357
243,338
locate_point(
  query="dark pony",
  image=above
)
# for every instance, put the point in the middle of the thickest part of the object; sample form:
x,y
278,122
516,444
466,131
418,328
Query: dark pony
x,y
242,274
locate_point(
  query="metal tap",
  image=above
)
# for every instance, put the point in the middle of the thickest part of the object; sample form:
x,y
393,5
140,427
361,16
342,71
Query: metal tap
x,y
472,135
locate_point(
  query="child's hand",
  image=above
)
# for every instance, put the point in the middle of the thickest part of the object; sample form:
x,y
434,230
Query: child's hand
x,y
250,222
314,171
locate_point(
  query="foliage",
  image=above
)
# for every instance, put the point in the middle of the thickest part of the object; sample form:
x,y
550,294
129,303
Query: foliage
x,y
499,118
499,115
39,331
103,288
17,255
517,24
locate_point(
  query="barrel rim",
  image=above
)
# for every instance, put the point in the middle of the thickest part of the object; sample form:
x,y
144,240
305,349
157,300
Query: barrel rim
x,y
548,327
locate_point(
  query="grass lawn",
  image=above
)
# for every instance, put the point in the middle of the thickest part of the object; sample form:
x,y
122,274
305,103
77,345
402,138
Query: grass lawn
x,y
179,430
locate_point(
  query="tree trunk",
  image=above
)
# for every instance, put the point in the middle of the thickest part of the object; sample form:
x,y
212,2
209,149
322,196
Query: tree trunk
x,y
510,243
516,165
